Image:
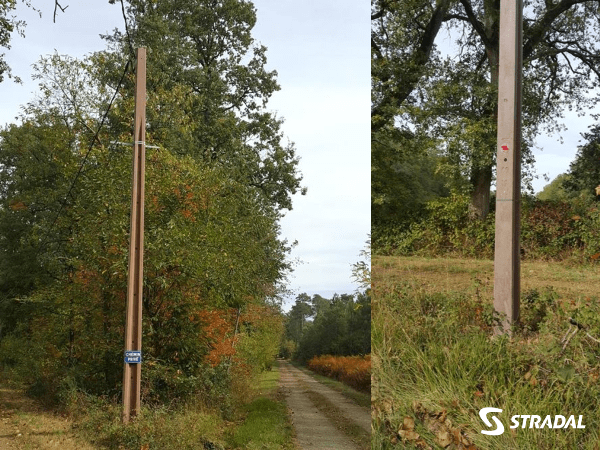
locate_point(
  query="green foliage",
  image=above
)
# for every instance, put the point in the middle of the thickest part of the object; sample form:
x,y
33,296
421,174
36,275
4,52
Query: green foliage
x,y
535,308
451,99
10,24
447,227
214,194
549,230
402,43
287,348
297,318
209,244
262,423
584,172
209,91
434,355
99,420
259,339
404,177
201,232
556,190
341,327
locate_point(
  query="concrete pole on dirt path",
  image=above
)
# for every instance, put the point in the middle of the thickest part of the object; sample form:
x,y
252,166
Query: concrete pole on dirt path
x,y
508,178
132,373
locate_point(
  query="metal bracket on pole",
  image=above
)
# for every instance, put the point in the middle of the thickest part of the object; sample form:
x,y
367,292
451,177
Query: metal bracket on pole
x,y
508,178
130,144
132,373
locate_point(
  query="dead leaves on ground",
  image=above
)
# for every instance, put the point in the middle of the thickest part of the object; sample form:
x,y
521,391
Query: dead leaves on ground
x,y
447,435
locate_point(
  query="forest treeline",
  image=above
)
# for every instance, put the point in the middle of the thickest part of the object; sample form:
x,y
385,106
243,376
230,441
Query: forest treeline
x,y
434,125
340,326
223,175
560,222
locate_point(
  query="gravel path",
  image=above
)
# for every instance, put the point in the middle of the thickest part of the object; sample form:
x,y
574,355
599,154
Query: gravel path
x,y
314,430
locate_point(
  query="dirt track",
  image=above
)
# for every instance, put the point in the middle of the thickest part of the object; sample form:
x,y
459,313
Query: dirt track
x,y
314,430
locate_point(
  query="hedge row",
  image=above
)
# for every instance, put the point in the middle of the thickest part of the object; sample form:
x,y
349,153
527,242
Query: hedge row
x,y
549,231
355,371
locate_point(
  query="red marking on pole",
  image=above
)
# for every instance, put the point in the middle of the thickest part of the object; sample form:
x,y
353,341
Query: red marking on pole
x,y
505,148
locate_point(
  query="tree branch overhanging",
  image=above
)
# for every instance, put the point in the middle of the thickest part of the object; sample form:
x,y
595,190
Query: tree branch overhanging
x,y
57,6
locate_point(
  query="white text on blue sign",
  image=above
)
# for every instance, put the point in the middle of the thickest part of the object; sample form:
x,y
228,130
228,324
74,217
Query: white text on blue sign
x,y
133,357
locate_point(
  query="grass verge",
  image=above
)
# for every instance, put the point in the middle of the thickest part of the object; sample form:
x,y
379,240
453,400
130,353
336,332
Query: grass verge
x,y
262,423
266,424
24,423
436,363
187,427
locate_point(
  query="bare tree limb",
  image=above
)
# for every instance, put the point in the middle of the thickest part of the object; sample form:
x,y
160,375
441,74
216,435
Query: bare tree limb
x,y
544,24
56,7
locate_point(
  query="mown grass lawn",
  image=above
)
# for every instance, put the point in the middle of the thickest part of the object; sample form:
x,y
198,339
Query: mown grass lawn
x,y
436,363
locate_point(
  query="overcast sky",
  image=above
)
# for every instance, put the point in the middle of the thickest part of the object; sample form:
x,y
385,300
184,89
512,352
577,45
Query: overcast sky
x,y
320,49
553,157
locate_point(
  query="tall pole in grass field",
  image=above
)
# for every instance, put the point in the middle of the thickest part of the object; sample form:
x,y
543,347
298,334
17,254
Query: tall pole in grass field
x,y
132,373
508,178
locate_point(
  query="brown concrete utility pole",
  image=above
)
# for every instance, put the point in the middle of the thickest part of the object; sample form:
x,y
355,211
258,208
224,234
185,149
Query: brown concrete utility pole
x,y
508,178
132,373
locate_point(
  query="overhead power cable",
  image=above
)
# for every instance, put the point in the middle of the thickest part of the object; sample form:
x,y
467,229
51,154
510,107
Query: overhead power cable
x,y
129,41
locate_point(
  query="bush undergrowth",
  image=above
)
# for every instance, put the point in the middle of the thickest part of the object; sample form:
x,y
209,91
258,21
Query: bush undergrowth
x,y
258,421
354,371
436,364
550,230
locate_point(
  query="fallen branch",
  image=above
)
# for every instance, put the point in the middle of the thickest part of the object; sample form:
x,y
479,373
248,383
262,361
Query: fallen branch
x,y
581,327
568,336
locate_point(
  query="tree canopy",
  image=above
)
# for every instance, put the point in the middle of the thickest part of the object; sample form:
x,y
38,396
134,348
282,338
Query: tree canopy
x,y
216,188
451,97
337,326
211,90
584,172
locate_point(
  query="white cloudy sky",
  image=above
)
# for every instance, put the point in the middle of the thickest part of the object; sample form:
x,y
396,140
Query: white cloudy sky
x,y
552,156
320,49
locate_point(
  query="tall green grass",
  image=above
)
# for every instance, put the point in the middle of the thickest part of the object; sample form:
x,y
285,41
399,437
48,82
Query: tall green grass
x,y
260,422
266,424
265,427
436,363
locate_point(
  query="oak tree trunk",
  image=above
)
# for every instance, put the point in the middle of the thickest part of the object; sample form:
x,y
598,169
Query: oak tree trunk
x,y
481,180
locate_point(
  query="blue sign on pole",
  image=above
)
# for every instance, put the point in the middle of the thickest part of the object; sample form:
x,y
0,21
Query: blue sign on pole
x,y
133,357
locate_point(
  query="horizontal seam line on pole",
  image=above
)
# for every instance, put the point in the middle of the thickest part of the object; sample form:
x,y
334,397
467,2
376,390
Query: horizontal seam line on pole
x,y
505,199
137,142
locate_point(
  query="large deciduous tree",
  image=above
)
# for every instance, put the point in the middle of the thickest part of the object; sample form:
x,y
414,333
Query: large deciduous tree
x,y
402,40
454,99
215,191
202,53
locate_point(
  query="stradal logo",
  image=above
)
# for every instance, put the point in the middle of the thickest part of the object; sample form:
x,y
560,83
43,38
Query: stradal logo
x,y
499,427
527,421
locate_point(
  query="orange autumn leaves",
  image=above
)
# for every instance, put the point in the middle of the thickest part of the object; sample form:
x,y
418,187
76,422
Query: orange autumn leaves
x,y
220,334
355,371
